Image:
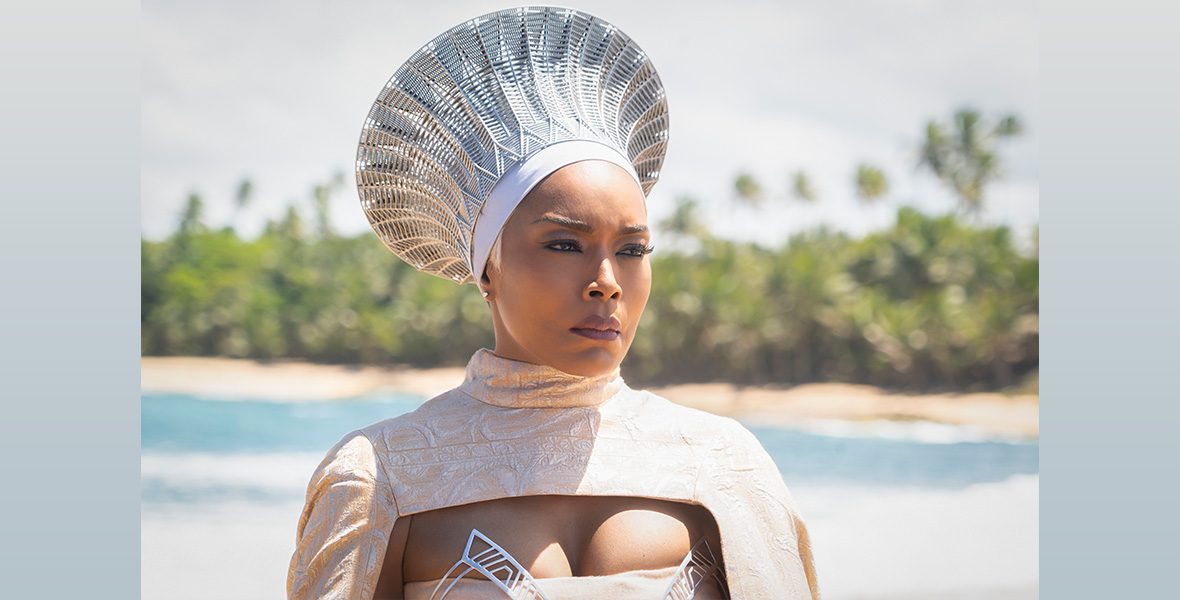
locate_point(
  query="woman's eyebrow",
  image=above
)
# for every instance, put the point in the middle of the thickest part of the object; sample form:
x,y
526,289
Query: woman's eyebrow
x,y
567,222
585,227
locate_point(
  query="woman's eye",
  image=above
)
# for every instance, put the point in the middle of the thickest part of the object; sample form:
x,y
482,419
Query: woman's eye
x,y
563,246
637,250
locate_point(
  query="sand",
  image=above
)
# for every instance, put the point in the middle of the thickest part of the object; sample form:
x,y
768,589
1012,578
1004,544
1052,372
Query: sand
x,y
285,380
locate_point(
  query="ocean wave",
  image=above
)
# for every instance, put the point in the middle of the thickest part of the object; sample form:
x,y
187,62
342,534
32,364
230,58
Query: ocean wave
x,y
923,432
206,478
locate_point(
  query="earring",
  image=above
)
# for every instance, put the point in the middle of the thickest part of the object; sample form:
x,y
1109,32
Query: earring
x,y
486,294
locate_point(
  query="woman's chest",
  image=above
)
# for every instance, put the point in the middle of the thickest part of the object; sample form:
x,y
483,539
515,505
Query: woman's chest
x,y
561,536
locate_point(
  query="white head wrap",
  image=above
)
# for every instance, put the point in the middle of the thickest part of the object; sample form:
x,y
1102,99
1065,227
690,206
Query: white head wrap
x,y
518,181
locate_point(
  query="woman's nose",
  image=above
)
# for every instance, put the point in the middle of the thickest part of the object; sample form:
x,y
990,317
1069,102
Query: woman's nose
x,y
604,285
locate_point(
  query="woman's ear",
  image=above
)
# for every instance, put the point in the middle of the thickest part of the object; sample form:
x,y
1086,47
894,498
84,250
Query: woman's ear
x,y
485,286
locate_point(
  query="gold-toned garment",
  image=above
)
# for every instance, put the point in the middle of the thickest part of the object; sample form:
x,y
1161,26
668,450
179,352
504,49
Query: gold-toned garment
x,y
518,429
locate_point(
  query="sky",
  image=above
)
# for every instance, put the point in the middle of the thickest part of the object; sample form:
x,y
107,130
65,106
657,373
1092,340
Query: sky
x,y
277,92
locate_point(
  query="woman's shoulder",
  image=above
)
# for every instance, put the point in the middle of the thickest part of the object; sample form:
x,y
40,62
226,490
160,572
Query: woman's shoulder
x,y
654,402
655,409
446,408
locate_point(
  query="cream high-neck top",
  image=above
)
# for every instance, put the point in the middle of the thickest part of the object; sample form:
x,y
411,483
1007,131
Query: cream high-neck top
x,y
518,429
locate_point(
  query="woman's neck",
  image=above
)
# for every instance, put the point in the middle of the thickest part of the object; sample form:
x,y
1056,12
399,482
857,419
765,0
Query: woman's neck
x,y
516,384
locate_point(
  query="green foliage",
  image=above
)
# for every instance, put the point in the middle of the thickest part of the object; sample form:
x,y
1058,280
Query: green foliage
x,y
190,219
963,154
244,195
748,189
801,185
329,299
685,225
931,302
871,183
321,197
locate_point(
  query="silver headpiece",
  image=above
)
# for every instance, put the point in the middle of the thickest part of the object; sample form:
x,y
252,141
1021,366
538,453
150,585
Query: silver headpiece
x,y
478,116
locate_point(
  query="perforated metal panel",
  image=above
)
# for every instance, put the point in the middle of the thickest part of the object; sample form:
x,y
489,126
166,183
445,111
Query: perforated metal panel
x,y
482,96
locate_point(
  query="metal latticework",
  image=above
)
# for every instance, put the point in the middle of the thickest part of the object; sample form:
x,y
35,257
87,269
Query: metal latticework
x,y
495,565
698,567
485,557
484,95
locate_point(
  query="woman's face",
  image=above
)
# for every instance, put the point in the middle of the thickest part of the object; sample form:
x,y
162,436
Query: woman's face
x,y
573,275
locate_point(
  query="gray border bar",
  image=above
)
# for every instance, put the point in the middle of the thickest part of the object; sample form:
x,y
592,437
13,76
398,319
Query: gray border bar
x,y
69,278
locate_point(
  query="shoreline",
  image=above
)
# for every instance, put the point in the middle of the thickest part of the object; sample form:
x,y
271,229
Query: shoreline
x,y
294,380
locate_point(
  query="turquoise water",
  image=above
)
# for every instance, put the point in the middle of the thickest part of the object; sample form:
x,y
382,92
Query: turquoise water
x,y
810,458
178,423
200,450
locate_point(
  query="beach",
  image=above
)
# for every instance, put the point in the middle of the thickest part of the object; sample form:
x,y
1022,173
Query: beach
x,y
807,404
221,523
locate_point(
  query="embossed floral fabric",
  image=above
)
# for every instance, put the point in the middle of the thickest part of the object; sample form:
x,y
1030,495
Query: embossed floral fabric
x,y
518,429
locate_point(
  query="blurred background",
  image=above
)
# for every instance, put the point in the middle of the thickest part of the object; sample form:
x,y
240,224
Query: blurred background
x,y
850,198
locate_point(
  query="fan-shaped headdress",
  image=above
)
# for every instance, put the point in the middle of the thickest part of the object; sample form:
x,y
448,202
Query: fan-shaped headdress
x,y
478,116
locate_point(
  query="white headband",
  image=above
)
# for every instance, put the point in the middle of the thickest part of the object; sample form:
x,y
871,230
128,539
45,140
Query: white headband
x,y
520,179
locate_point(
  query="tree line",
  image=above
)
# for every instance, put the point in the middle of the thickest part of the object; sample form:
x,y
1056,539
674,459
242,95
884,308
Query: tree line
x,y
933,302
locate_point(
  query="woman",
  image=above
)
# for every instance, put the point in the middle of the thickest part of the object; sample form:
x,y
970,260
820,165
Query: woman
x,y
520,146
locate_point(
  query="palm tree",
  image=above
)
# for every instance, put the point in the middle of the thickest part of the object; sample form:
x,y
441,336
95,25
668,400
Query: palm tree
x,y
190,218
748,188
243,197
801,184
965,158
871,183
321,195
685,220
290,228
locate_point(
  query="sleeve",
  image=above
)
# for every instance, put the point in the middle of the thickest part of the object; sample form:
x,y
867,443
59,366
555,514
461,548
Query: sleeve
x,y
345,526
804,539
767,474
764,541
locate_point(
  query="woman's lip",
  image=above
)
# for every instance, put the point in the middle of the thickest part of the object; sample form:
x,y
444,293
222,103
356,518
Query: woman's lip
x,y
600,323
608,335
